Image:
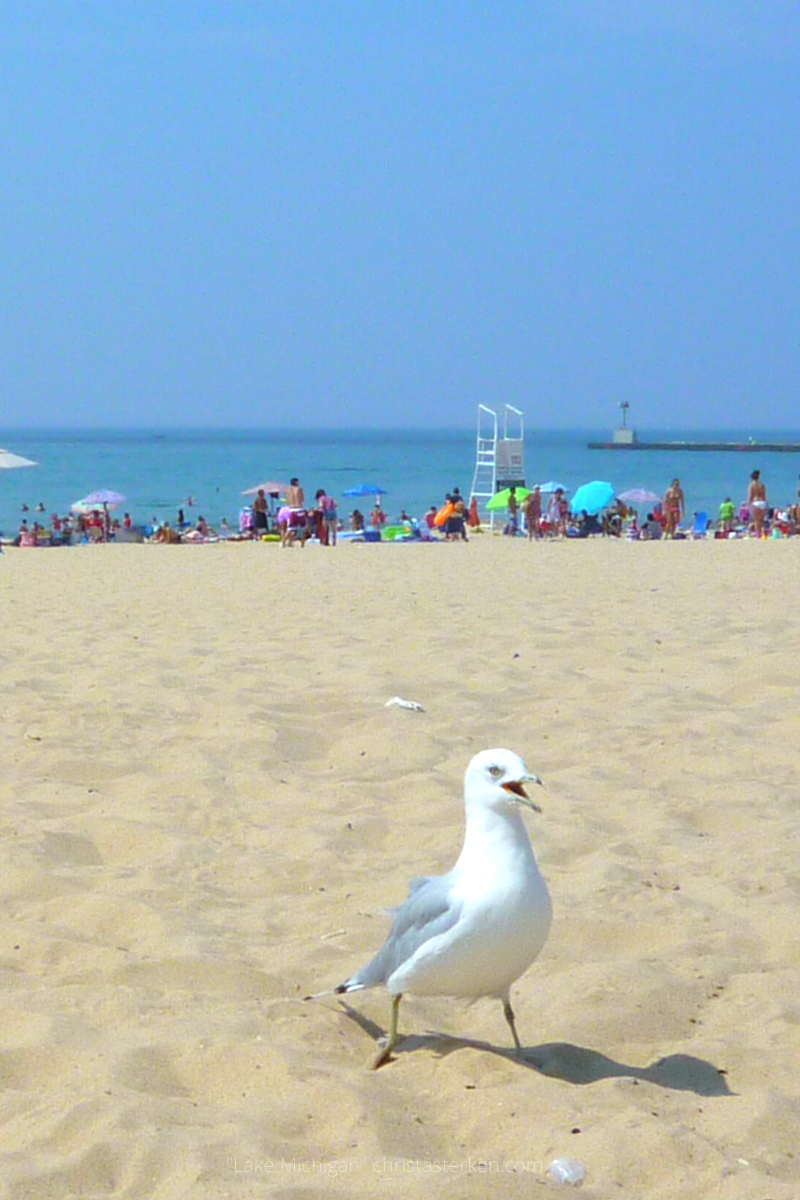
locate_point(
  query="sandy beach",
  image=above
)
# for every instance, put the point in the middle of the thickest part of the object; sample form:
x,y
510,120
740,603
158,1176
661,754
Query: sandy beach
x,y
206,807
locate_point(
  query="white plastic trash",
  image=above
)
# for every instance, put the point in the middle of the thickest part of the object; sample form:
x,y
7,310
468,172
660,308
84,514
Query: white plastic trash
x,y
398,702
567,1170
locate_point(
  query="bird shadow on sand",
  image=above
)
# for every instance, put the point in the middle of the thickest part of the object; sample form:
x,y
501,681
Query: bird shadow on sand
x,y
563,1060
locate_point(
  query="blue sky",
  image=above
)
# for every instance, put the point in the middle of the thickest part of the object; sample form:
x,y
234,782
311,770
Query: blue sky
x,y
373,213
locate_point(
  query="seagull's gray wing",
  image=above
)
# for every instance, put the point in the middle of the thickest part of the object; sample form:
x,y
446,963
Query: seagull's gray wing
x,y
431,909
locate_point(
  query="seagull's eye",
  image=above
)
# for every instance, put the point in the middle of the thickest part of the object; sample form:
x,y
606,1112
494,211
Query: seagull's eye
x,y
496,771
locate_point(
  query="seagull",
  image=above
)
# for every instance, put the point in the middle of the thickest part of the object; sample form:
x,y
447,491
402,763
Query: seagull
x,y
475,931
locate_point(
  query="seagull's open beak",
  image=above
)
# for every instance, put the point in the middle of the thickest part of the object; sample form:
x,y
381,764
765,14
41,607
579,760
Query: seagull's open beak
x,y
517,790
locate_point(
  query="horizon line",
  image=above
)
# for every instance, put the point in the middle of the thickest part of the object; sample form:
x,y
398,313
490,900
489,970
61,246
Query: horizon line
x,y
311,430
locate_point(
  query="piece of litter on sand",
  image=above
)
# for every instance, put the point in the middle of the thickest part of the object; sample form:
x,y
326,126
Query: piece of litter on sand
x,y
567,1170
398,702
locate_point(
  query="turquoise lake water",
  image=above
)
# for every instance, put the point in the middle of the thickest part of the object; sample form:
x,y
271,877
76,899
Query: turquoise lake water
x,y
158,470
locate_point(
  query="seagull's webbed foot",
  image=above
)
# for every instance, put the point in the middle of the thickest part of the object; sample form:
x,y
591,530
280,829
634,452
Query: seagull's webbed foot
x,y
384,1055
388,1043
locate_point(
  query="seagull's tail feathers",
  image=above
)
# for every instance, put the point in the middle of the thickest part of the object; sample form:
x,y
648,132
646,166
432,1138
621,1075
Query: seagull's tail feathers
x,y
370,976
349,985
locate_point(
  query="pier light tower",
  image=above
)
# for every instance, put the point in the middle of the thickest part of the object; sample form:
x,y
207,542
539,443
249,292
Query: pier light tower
x,y
624,436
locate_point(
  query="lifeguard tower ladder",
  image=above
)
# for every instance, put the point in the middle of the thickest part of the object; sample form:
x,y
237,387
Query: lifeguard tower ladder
x,y
498,460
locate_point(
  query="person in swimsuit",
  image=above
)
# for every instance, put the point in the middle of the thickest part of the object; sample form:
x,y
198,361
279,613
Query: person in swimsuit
x,y
474,515
456,526
292,516
563,513
727,513
757,502
554,512
295,496
330,518
532,507
260,509
513,509
674,507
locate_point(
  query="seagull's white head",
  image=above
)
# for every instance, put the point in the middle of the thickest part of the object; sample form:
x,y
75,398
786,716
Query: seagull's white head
x,y
497,778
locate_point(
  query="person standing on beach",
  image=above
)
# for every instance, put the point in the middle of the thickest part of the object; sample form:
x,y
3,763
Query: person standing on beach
x,y
292,515
260,509
295,496
727,513
757,502
474,516
558,513
455,522
674,508
330,517
794,511
532,507
513,510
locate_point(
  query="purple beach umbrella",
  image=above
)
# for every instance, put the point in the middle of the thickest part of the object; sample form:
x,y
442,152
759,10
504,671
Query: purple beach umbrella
x,y
101,497
639,496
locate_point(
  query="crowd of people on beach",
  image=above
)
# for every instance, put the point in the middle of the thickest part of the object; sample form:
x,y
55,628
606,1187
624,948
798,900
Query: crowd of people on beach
x,y
286,517
535,514
753,517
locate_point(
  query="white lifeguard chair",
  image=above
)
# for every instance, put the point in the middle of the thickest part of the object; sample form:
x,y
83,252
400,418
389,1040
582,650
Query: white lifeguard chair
x,y
499,461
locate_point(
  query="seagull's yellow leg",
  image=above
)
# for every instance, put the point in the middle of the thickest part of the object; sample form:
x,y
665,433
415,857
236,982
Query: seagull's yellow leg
x,y
508,1013
391,1041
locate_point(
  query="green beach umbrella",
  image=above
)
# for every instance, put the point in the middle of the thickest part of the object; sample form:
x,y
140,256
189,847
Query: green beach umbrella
x,y
500,499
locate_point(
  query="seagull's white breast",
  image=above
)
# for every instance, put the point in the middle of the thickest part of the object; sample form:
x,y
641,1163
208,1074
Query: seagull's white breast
x,y
503,925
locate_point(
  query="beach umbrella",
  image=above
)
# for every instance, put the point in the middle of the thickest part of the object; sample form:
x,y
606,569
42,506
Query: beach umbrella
x,y
102,497
638,496
271,488
364,489
81,507
551,486
9,461
500,499
591,497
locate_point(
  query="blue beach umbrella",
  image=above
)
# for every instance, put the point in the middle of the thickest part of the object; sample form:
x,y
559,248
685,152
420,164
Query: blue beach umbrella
x,y
552,485
364,489
591,497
